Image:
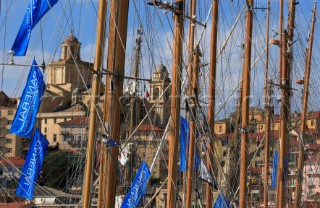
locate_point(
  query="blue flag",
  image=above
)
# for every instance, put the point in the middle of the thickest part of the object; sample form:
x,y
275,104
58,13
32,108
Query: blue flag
x,y
25,117
274,170
36,10
138,187
184,143
32,166
112,143
221,202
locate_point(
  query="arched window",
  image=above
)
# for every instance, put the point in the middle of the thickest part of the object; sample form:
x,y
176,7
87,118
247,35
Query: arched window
x,y
156,93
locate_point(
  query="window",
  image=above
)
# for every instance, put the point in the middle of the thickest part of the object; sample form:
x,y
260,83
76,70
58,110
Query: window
x,y
312,122
54,137
224,153
1,171
45,129
220,129
156,93
224,142
55,120
223,163
9,141
10,112
45,121
9,150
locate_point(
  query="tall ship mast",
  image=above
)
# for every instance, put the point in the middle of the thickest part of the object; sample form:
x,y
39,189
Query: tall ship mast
x,y
164,117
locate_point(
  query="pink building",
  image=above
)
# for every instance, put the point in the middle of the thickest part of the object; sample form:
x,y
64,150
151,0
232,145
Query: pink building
x,y
311,174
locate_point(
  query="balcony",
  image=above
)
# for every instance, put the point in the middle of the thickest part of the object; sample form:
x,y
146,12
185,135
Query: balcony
x,y
64,132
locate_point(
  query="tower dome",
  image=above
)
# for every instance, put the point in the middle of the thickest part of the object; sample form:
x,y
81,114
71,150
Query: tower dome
x,y
161,69
160,73
70,48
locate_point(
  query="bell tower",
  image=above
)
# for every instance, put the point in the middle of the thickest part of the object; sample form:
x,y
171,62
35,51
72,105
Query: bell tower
x,y
159,82
70,48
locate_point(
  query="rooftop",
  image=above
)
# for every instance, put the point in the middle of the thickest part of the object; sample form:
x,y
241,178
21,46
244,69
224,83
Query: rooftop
x,y
12,161
81,120
149,128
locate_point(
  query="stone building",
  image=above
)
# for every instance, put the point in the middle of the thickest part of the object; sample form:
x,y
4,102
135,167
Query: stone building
x,y
10,144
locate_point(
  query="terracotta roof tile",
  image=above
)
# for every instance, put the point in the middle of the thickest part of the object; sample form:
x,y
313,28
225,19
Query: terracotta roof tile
x,y
12,160
17,205
149,128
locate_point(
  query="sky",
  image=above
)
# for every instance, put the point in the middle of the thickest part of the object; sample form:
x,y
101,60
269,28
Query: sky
x,y
80,16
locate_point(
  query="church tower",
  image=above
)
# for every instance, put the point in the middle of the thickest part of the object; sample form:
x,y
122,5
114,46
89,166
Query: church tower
x,y
69,72
159,82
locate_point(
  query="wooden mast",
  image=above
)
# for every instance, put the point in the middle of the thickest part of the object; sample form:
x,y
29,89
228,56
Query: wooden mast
x,y
284,117
114,88
292,13
212,89
110,63
267,106
280,34
303,114
100,42
245,105
192,120
191,102
175,104
133,112
135,75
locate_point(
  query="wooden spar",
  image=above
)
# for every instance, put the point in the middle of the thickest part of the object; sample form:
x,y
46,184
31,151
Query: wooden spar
x,y
114,85
192,120
280,34
107,104
191,43
267,106
212,89
100,42
135,75
133,114
284,118
189,93
299,178
175,105
292,14
245,106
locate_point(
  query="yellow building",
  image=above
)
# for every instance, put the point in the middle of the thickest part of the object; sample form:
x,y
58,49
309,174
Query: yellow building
x,y
10,144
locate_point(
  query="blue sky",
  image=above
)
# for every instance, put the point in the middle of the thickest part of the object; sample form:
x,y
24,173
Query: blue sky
x,y
157,41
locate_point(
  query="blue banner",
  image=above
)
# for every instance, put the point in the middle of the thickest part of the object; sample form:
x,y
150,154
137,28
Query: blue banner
x,y
221,202
25,117
32,166
274,170
184,143
138,187
35,11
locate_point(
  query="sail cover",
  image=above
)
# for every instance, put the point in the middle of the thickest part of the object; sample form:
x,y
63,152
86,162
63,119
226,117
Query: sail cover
x,y
25,116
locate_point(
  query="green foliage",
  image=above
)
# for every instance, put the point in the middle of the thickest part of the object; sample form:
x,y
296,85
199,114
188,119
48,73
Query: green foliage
x,y
54,170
